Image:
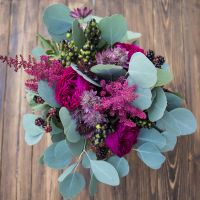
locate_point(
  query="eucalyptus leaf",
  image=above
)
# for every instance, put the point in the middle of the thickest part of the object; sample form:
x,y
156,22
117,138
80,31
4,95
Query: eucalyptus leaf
x,y
86,160
113,28
47,93
173,101
131,36
120,164
31,140
55,129
58,137
67,172
168,123
72,185
159,104
152,136
143,101
141,71
163,77
150,155
85,76
93,185
58,20
37,52
69,125
78,34
171,141
185,120
108,72
76,148
104,172
57,155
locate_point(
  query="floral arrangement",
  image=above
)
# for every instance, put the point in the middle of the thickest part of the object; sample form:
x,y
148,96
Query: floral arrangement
x,y
99,96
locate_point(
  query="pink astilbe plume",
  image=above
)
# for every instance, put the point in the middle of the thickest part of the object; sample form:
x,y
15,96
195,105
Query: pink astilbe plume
x,y
45,69
117,97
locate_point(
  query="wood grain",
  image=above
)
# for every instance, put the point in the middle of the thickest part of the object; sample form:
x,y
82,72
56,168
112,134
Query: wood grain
x,y
172,28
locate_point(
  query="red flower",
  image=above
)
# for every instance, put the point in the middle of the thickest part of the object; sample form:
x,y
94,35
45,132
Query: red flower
x,y
131,48
122,140
69,89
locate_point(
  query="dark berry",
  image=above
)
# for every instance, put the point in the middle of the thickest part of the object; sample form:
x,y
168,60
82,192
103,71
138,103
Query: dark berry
x,y
52,112
161,60
38,99
48,128
101,152
150,54
39,121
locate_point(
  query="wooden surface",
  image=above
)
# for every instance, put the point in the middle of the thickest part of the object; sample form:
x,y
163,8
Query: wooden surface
x,y
172,28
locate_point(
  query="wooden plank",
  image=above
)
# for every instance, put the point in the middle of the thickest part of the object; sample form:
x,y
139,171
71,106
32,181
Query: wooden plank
x,y
191,33
12,103
141,180
4,38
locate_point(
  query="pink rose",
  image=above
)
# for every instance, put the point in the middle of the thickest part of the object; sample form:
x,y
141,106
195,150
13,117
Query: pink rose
x,y
122,140
69,89
131,48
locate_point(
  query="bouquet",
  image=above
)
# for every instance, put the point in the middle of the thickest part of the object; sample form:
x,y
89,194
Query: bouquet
x,y
99,96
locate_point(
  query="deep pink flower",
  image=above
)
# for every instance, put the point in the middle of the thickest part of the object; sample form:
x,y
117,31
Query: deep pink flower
x,y
122,140
69,89
131,48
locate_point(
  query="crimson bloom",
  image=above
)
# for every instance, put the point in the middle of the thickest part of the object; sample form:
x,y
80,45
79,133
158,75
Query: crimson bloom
x,y
122,140
69,89
131,48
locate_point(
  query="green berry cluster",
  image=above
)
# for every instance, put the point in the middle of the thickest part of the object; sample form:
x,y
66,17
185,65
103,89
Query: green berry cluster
x,y
69,53
93,35
143,123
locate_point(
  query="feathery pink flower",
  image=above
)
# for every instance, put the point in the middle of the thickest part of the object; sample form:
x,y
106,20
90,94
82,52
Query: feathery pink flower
x,y
79,13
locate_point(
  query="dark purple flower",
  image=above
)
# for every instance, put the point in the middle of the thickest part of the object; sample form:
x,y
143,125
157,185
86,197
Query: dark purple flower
x,y
78,13
131,48
122,140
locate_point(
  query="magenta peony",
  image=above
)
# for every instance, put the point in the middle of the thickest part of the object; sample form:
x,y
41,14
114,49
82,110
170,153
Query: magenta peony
x,y
131,48
122,140
69,89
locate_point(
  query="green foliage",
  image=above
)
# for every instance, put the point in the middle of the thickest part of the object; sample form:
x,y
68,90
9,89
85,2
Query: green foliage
x,y
86,159
163,77
113,28
78,34
67,172
141,71
171,140
69,125
76,148
93,185
33,133
152,136
104,172
85,76
47,93
37,52
108,72
58,21
131,37
150,155
71,185
120,164
159,104
144,99
173,101
57,155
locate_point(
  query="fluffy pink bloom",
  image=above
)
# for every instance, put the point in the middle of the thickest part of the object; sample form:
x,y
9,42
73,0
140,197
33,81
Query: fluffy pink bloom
x,y
117,98
131,48
69,89
121,141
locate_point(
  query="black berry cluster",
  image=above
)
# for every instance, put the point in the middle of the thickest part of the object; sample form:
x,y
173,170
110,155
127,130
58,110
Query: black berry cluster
x,y
38,99
39,121
156,60
102,152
